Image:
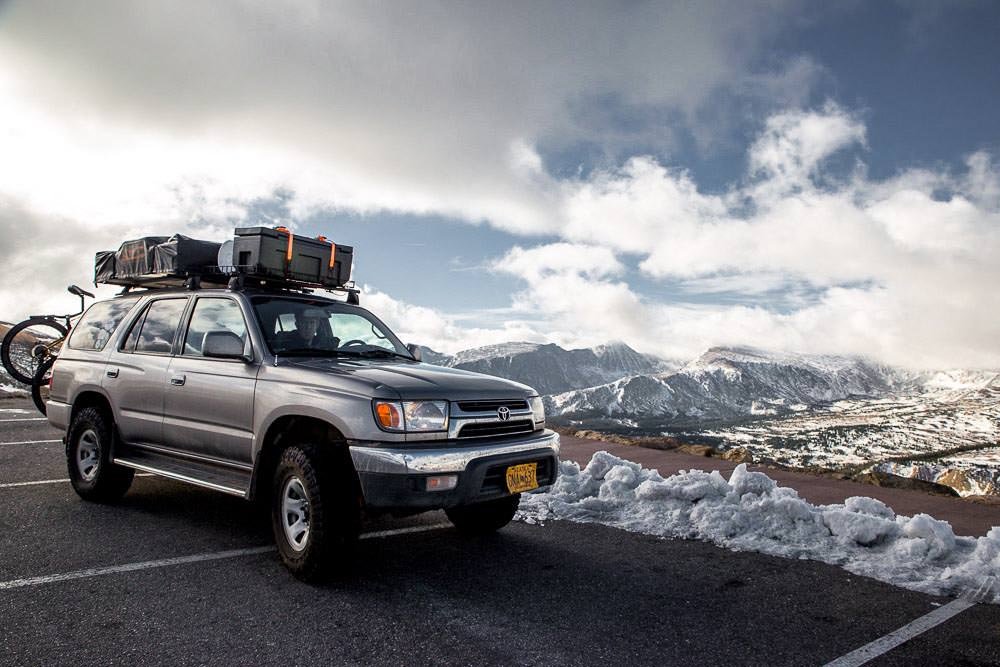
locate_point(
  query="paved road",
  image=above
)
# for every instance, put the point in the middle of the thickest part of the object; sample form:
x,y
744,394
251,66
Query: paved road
x,y
554,594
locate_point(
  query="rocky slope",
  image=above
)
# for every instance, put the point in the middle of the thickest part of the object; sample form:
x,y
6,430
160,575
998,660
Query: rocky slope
x,y
551,369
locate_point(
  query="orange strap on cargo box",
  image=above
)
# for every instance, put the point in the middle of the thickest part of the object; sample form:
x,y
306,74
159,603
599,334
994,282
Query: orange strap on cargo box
x,y
333,253
288,252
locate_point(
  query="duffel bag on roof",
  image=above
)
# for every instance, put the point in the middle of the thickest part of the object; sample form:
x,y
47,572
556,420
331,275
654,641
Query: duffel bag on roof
x,y
155,258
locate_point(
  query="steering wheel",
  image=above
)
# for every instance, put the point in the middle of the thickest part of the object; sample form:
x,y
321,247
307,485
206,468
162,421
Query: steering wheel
x,y
353,341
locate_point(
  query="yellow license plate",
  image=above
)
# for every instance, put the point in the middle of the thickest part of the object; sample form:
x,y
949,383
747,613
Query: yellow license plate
x,y
522,477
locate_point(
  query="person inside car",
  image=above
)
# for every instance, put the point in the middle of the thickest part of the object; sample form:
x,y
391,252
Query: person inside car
x,y
312,330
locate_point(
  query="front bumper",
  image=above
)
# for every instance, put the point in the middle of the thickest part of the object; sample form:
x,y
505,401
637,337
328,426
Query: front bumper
x,y
394,478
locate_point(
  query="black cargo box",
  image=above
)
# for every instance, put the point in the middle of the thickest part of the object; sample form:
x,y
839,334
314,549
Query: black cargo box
x,y
157,260
275,253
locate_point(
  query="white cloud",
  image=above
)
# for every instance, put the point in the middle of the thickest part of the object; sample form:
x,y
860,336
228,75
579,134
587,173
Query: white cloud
x,y
440,331
432,108
794,144
560,259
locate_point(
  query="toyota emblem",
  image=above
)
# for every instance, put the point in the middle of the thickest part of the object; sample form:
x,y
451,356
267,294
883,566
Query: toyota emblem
x,y
503,413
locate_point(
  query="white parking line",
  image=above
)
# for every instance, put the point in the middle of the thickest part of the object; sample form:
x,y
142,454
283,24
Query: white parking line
x,y
904,634
26,419
30,442
182,560
11,485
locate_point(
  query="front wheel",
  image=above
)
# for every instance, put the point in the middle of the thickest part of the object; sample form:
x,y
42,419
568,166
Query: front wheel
x,y
315,515
484,518
88,456
27,344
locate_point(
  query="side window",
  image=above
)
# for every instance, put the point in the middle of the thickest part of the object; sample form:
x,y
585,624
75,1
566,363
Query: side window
x,y
133,332
94,329
213,316
156,333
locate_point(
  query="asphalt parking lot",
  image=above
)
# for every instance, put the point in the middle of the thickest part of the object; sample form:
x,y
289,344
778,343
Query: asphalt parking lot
x,y
179,575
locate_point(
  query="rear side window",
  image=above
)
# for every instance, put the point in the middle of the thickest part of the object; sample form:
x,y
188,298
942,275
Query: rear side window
x,y
94,329
154,332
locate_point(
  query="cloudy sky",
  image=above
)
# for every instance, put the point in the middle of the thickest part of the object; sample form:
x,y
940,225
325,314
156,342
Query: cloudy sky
x,y
675,175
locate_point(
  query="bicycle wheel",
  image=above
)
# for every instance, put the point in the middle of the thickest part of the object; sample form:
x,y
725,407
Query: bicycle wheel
x,y
27,344
40,384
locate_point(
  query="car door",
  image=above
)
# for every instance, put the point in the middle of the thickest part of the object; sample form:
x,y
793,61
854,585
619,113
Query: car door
x,y
137,370
208,408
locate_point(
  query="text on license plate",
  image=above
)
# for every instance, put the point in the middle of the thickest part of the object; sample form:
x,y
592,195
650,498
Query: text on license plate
x,y
522,477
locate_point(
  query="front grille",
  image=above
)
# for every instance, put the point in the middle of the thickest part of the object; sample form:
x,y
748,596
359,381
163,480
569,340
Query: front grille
x,y
492,406
491,429
495,480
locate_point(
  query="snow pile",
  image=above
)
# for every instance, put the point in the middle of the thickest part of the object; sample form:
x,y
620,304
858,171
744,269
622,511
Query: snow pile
x,y
750,512
9,387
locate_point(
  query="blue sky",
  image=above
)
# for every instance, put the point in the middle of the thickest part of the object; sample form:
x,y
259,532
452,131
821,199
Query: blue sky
x,y
675,175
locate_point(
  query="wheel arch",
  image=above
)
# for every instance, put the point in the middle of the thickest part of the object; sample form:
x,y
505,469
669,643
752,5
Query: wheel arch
x,y
91,398
291,428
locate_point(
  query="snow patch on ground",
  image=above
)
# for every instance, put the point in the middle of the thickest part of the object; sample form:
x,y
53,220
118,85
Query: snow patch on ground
x,y
12,389
750,512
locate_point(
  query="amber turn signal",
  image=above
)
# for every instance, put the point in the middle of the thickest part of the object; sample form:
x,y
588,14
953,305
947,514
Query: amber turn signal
x,y
388,415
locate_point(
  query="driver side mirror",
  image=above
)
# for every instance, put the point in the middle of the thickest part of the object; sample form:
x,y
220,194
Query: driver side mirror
x,y
224,345
415,351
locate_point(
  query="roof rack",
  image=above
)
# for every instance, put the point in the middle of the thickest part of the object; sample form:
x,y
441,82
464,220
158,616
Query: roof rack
x,y
235,280
241,280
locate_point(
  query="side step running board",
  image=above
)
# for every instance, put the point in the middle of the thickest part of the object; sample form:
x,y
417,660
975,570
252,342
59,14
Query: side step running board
x,y
218,478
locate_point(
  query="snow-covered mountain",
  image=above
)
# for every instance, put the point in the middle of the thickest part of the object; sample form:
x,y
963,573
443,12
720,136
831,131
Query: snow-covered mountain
x,y
728,383
551,369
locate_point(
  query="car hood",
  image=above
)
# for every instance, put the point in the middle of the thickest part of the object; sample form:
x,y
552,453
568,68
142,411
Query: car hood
x,y
417,380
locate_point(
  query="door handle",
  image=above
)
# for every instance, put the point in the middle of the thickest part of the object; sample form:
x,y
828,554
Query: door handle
x,y
112,372
178,380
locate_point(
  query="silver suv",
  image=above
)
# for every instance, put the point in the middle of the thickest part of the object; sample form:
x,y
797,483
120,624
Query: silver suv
x,y
309,404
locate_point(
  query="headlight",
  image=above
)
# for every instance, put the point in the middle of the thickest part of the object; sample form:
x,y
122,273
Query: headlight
x,y
537,409
412,416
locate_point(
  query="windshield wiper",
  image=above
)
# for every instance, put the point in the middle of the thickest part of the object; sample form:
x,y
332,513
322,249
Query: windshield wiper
x,y
312,352
382,352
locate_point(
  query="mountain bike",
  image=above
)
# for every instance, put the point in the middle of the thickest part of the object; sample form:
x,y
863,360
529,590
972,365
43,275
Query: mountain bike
x,y
28,344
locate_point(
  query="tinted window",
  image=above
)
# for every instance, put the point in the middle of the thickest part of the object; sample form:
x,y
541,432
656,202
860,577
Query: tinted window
x,y
94,329
213,315
160,325
133,332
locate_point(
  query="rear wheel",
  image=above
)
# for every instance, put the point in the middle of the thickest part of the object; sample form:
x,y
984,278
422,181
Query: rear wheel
x,y
484,518
88,457
28,344
315,515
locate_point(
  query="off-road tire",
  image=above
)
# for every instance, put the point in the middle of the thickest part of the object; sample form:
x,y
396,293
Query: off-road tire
x,y
333,511
484,518
105,481
18,367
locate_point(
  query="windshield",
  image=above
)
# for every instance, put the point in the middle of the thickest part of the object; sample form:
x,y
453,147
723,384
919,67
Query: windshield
x,y
316,327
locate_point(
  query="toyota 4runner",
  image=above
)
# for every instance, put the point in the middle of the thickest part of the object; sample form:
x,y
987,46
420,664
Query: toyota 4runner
x,y
306,403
